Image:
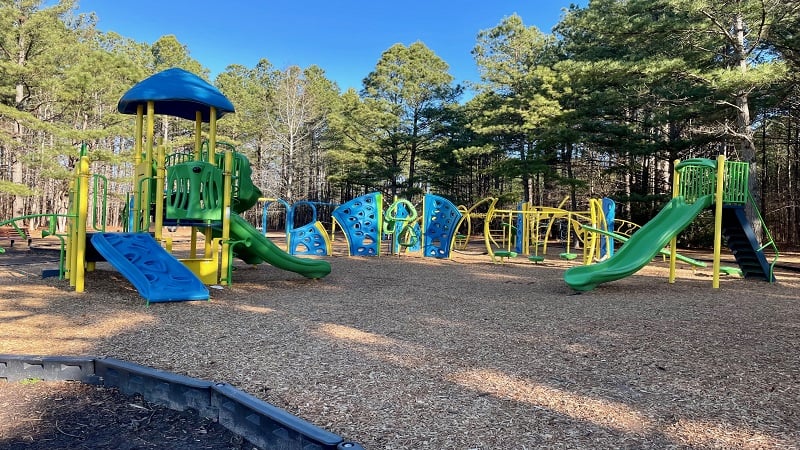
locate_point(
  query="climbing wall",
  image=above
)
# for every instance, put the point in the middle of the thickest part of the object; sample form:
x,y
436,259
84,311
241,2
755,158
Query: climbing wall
x,y
360,219
441,219
310,239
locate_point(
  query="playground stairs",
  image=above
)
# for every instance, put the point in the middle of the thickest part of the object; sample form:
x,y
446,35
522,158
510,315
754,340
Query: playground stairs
x,y
742,241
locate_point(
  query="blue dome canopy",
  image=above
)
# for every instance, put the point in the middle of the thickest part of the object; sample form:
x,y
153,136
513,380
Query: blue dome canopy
x,y
176,92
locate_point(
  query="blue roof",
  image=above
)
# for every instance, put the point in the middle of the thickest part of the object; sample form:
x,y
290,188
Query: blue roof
x,y
176,92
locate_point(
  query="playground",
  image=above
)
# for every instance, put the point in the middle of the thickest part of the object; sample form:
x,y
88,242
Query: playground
x,y
411,326
411,352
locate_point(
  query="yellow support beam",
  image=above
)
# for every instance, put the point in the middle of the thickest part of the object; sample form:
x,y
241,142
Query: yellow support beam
x,y
718,199
160,172
198,135
83,208
226,218
673,243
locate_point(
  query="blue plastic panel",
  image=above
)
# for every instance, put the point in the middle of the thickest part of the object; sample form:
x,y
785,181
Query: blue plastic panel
x,y
441,219
310,239
360,220
156,274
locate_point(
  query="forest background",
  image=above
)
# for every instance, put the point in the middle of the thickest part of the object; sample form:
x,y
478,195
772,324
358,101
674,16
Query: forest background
x,y
602,106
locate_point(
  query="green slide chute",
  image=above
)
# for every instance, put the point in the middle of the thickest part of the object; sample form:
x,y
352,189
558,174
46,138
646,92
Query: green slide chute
x,y
624,239
642,246
256,248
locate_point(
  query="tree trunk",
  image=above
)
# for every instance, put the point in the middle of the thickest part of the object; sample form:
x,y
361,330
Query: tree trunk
x,y
17,203
747,148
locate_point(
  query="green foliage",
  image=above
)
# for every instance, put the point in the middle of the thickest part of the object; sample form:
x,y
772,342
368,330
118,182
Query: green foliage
x,y
604,105
520,101
402,97
168,52
9,188
248,89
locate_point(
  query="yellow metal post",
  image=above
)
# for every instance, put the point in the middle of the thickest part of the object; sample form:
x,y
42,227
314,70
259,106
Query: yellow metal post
x,y
83,208
212,135
137,142
151,125
135,207
212,159
72,226
148,159
193,243
673,243
159,194
718,199
198,156
226,218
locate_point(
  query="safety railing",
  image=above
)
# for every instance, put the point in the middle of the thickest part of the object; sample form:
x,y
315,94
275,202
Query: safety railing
x,y
768,241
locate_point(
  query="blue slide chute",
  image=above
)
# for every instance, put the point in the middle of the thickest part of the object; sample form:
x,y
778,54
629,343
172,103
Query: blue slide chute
x,y
156,274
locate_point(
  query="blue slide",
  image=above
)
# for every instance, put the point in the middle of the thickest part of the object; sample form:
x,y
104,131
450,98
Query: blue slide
x,y
642,246
156,274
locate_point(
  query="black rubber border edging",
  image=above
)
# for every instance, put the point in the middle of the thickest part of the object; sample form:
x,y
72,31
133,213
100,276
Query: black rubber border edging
x,y
261,423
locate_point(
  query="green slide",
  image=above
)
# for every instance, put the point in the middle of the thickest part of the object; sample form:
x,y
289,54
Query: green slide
x,y
624,239
642,246
257,249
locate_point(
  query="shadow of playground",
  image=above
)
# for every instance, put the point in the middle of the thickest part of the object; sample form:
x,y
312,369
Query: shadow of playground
x,y
394,352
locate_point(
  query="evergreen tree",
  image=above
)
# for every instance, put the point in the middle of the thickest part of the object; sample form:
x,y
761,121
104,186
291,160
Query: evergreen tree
x,y
408,84
33,40
519,98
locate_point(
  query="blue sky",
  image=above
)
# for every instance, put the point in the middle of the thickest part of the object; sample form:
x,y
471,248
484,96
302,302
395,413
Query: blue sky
x,y
345,38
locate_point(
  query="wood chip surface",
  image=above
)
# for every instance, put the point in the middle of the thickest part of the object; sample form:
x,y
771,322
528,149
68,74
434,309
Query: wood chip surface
x,y
409,352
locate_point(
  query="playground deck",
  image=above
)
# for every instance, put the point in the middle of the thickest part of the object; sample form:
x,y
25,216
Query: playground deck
x,y
405,352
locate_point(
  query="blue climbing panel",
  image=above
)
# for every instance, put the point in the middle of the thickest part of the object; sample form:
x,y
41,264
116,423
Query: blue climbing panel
x,y
441,219
310,239
360,220
609,210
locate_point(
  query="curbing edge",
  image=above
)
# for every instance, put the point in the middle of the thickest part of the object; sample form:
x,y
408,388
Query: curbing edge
x,y
261,423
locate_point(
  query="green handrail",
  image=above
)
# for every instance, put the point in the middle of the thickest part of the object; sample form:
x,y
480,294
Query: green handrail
x,y
697,178
141,222
770,241
51,231
99,207
13,223
737,178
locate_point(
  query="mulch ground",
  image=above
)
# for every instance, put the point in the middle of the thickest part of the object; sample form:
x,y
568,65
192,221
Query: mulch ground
x,y
68,415
406,352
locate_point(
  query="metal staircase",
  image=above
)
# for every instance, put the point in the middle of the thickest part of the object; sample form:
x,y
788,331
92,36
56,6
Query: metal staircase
x,y
741,240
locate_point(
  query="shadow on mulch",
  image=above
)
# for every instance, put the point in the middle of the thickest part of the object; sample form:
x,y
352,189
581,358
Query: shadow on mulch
x,y
20,255
51,415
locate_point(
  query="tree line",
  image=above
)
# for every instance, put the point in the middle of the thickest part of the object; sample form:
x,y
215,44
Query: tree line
x,y
601,106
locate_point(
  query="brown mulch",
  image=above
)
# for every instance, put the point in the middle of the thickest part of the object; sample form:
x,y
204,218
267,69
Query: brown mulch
x,y
60,415
406,352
